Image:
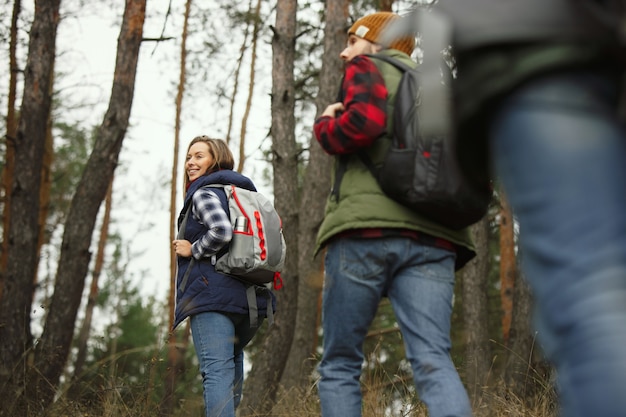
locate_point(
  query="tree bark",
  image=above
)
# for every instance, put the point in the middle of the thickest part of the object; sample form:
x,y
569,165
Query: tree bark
x,y
316,183
52,350
46,185
262,384
386,5
233,96
15,306
85,329
256,15
175,354
9,160
474,278
524,370
527,373
507,266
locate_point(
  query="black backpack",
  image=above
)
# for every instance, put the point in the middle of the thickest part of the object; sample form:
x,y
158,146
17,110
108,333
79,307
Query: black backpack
x,y
422,171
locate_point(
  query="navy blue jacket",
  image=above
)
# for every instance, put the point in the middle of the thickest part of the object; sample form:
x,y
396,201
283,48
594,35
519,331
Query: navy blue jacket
x,y
206,289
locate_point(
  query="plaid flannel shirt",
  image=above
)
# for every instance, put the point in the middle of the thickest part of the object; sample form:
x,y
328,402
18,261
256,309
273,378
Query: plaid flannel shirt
x,y
207,209
365,117
363,121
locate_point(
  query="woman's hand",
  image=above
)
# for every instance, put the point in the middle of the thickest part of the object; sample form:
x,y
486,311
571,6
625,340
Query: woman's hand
x,y
182,248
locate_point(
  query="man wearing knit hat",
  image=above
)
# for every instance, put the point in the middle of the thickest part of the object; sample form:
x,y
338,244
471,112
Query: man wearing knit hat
x,y
375,247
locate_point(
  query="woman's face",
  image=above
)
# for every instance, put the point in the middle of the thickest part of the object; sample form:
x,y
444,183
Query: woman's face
x,y
199,160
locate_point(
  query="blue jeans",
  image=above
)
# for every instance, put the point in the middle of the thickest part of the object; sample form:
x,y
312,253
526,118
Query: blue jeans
x,y
219,340
419,281
560,153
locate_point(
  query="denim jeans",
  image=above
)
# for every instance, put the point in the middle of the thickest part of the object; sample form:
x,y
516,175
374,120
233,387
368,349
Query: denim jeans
x,y
219,340
560,153
419,281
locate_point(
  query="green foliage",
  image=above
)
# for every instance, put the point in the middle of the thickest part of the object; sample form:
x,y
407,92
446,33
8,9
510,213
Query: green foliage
x,y
126,365
72,147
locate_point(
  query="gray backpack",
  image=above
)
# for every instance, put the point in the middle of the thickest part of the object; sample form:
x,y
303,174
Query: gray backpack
x,y
256,254
421,171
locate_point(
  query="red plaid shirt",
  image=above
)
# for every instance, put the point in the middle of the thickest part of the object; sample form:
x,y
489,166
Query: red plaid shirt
x,y
365,116
363,121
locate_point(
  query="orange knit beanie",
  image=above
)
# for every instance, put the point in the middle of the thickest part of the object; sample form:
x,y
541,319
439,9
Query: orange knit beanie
x,y
371,27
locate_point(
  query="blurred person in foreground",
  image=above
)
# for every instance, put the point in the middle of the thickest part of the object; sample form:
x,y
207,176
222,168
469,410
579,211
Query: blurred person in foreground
x,y
216,304
376,247
537,102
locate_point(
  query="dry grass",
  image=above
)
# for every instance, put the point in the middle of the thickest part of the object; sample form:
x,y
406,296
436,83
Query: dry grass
x,y
378,401
493,402
299,404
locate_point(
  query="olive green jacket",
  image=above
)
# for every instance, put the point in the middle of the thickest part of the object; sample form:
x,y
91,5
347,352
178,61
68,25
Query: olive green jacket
x,y
359,202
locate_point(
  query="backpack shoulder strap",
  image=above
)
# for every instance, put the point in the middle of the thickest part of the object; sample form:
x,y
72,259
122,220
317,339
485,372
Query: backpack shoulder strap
x,y
402,67
395,62
180,236
222,186
183,223
362,154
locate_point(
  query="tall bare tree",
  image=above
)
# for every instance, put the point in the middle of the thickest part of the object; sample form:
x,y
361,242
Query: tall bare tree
x,y
256,16
263,381
52,350
238,68
175,354
474,281
316,183
9,159
23,230
85,329
508,265
525,372
46,184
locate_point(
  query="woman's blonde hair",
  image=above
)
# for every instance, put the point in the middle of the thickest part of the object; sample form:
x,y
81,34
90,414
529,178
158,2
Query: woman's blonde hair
x,y
219,150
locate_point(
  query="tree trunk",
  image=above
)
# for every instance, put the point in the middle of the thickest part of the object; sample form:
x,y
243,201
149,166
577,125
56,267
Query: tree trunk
x,y
53,348
85,329
316,183
175,355
46,185
386,5
524,372
15,306
242,51
507,266
474,279
256,15
262,384
9,159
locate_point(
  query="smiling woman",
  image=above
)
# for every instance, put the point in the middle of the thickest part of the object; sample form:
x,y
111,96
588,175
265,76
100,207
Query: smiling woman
x,y
87,45
139,252
217,305
206,155
198,161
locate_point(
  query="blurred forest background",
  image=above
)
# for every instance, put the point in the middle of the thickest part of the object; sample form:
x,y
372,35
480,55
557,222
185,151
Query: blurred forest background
x,y
91,170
